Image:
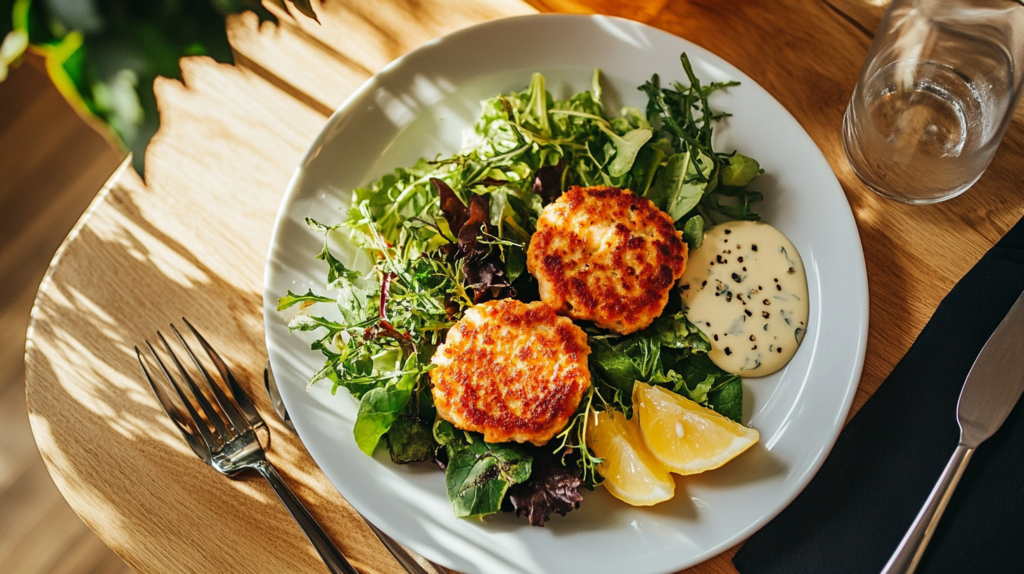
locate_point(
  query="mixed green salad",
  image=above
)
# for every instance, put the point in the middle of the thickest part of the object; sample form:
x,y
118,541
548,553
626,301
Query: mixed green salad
x,y
450,232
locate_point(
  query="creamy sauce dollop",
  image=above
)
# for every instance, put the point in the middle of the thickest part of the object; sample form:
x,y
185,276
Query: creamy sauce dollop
x,y
746,289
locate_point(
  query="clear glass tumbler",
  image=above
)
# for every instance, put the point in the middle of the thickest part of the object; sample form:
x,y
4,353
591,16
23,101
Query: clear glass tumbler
x,y
935,95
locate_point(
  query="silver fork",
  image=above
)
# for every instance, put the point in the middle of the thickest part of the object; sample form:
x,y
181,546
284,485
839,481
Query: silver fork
x,y
225,437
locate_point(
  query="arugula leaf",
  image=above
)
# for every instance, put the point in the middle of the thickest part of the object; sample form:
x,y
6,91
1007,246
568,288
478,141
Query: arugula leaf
x,y
626,147
734,203
669,181
645,166
693,232
676,332
352,299
699,393
738,171
308,323
291,299
680,187
380,407
538,105
595,87
352,302
716,389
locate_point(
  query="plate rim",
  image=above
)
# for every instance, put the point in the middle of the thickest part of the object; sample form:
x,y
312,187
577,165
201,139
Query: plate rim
x,y
859,274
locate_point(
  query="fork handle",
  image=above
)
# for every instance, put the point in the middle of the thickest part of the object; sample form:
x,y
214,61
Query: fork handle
x,y
330,554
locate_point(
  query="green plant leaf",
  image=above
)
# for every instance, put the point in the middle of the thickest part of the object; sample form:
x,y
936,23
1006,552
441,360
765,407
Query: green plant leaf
x,y
679,187
478,475
669,183
693,232
515,262
305,7
739,171
676,332
309,323
626,148
292,298
380,407
645,166
727,399
699,393
615,368
409,440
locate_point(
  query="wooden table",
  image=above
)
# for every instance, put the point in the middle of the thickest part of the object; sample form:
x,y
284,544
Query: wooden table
x,y
191,241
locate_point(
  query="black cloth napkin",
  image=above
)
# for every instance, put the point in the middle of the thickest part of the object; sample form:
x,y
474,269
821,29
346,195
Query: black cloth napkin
x,y
853,514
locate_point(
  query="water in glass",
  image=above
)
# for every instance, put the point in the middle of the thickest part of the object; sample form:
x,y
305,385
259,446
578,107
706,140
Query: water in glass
x,y
932,101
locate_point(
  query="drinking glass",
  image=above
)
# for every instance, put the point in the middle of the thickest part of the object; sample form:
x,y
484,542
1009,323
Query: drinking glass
x,y
934,96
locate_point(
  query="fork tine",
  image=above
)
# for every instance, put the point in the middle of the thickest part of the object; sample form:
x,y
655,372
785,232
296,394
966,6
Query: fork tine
x,y
241,397
238,422
204,429
186,425
211,414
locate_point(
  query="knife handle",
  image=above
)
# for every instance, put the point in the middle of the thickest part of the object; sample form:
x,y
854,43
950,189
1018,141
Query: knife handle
x,y
908,554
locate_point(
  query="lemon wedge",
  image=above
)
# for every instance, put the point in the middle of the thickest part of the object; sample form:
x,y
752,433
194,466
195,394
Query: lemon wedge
x,y
683,436
630,473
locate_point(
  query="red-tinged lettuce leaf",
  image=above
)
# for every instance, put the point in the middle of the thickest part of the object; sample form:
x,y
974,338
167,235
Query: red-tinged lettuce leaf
x,y
384,329
548,183
487,277
452,208
385,292
476,223
552,487
482,265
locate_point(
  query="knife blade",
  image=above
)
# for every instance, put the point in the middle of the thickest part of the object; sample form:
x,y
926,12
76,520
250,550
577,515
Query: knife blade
x,y
993,387
995,382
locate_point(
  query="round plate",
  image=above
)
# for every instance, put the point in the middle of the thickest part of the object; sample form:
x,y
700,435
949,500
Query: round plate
x,y
420,105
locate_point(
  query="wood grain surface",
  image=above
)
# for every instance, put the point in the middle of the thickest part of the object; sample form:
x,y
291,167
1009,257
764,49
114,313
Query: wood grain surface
x,y
52,164
191,241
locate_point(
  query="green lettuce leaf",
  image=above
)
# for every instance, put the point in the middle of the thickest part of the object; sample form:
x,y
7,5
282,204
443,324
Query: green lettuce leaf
x,y
479,474
727,398
411,437
381,406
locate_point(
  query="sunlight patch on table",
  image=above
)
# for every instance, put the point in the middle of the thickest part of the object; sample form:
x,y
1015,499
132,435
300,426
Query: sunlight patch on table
x,y
147,249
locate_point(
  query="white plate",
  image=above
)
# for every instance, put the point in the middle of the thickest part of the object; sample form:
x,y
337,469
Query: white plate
x,y
419,106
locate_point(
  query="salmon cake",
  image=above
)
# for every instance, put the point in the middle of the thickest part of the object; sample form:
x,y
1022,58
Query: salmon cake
x,y
606,255
512,371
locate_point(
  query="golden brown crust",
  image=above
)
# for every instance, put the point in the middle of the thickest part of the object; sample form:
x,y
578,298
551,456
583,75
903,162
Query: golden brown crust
x,y
512,371
605,255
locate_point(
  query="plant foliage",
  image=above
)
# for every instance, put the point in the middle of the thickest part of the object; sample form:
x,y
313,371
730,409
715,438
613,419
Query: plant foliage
x,y
103,55
450,232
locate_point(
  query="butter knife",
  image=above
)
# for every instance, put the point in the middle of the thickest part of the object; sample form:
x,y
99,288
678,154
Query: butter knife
x,y
990,392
